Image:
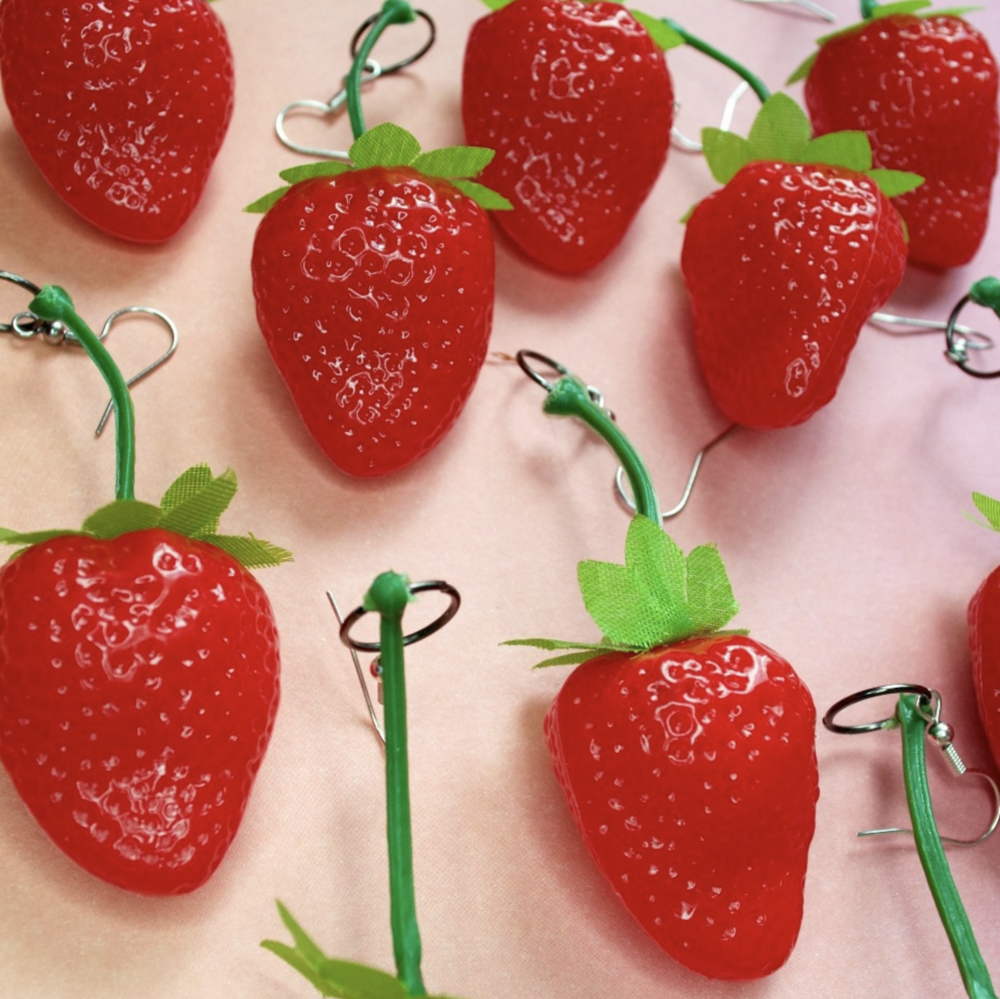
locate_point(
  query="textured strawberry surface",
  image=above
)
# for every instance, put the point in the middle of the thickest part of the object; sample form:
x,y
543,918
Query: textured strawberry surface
x,y
783,267
374,293
577,102
691,773
984,643
122,105
138,689
925,91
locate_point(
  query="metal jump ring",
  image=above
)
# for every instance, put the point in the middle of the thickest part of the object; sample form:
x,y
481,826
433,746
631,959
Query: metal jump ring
x,y
523,357
957,351
403,63
415,636
864,695
23,283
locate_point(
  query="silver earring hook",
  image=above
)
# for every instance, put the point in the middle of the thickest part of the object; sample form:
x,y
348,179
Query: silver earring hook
x,y
145,310
807,5
938,732
687,145
371,72
629,503
965,338
376,724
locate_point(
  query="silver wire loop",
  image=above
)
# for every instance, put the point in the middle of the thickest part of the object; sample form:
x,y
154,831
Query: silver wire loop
x,y
372,71
687,145
523,356
924,693
957,350
376,724
415,636
26,324
806,5
409,60
966,337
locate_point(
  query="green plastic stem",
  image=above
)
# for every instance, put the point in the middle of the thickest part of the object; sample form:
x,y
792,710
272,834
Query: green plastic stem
x,y
53,304
389,595
393,12
570,397
949,904
756,83
868,8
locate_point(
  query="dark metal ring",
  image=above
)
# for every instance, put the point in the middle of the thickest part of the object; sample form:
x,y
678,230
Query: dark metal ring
x,y
864,695
957,352
416,636
403,63
22,282
522,359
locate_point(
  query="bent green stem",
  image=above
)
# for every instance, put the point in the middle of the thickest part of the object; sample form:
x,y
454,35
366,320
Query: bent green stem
x,y
393,12
570,397
53,304
389,595
971,966
756,84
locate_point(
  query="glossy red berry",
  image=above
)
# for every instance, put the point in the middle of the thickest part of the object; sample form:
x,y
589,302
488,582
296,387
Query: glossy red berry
x,y
577,102
691,773
783,266
374,293
924,89
138,689
123,105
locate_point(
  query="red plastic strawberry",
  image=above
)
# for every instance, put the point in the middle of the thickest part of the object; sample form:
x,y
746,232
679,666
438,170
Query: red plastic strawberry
x,y
923,86
687,758
984,636
374,289
576,100
786,263
123,105
138,670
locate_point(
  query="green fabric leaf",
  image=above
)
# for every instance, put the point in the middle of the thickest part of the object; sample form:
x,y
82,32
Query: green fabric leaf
x,y
187,484
986,292
893,182
989,508
324,168
555,643
903,7
264,204
852,150
569,659
304,943
951,11
298,962
781,131
725,152
710,595
120,517
497,4
385,145
663,35
198,514
454,161
485,197
9,537
358,981
251,552
802,71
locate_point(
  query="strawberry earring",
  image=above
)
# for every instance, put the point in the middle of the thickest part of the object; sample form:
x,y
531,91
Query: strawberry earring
x,y
374,283
389,596
642,738
138,666
135,169
918,717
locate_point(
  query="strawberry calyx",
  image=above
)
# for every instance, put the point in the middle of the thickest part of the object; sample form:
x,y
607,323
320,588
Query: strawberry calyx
x,y
663,32
191,507
989,508
876,11
658,597
781,132
387,146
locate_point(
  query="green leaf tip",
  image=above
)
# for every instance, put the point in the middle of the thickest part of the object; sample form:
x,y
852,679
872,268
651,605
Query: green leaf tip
x,y
658,597
388,145
989,508
191,506
781,132
664,36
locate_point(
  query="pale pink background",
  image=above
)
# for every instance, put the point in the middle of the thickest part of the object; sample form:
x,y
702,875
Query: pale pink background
x,y
845,539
